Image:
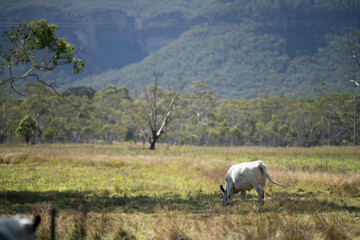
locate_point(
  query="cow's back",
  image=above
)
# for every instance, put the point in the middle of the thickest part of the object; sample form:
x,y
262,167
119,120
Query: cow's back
x,y
246,176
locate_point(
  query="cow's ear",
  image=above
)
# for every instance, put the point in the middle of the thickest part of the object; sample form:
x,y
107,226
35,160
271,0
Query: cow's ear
x,y
36,223
222,189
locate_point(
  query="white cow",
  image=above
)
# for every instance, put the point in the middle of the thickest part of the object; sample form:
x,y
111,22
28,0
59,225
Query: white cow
x,y
18,228
246,176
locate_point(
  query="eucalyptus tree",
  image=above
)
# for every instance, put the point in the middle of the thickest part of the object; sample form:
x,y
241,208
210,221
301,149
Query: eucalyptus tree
x,y
27,128
77,112
31,48
305,123
204,106
336,111
230,122
36,104
56,118
11,112
110,113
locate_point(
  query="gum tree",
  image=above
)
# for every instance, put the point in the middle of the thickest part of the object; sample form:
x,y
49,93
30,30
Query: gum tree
x,y
27,128
31,48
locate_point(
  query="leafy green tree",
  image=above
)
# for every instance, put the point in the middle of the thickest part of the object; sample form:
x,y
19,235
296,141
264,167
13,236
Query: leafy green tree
x,y
31,48
260,126
203,106
283,130
236,135
77,115
271,130
56,130
111,113
304,122
337,117
27,128
37,102
11,114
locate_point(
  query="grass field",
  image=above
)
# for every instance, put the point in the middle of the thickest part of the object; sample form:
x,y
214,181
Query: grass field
x,y
128,192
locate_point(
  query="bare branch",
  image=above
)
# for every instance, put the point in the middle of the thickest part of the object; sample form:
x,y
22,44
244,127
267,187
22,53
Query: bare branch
x,y
14,89
51,85
166,118
155,95
12,79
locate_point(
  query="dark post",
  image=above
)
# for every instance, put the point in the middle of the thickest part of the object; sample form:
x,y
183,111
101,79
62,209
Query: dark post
x,y
53,215
355,106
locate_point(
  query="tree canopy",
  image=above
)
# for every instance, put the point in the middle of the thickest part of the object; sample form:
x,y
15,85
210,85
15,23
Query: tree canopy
x,y
33,47
27,128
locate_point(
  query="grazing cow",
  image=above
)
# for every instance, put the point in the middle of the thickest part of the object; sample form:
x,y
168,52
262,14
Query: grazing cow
x,y
246,176
18,228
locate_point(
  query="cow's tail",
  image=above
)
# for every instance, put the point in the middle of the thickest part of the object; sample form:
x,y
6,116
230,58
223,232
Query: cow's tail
x,y
263,169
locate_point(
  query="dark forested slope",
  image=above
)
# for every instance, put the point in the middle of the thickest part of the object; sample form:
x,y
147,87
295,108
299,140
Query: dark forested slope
x,y
239,62
240,48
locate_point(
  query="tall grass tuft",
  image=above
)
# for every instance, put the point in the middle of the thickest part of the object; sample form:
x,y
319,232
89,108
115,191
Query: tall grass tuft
x,y
80,219
331,226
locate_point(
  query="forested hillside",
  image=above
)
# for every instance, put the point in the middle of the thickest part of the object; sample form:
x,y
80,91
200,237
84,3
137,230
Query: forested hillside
x,y
237,62
241,49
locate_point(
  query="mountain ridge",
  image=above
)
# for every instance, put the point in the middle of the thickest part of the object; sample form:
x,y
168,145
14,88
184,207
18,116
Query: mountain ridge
x,y
241,49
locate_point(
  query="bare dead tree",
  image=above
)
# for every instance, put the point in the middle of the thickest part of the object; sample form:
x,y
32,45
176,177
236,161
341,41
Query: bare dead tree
x,y
159,107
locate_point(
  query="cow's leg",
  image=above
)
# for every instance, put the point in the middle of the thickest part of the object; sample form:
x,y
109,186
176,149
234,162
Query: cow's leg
x,y
243,195
260,191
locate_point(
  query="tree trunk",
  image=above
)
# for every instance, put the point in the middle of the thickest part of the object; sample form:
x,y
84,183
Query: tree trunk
x,y
153,142
152,145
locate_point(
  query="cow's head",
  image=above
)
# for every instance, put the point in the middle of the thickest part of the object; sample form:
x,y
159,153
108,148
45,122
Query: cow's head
x,y
226,194
19,227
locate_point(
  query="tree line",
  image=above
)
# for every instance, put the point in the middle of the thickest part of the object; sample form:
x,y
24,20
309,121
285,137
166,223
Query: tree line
x,y
200,117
